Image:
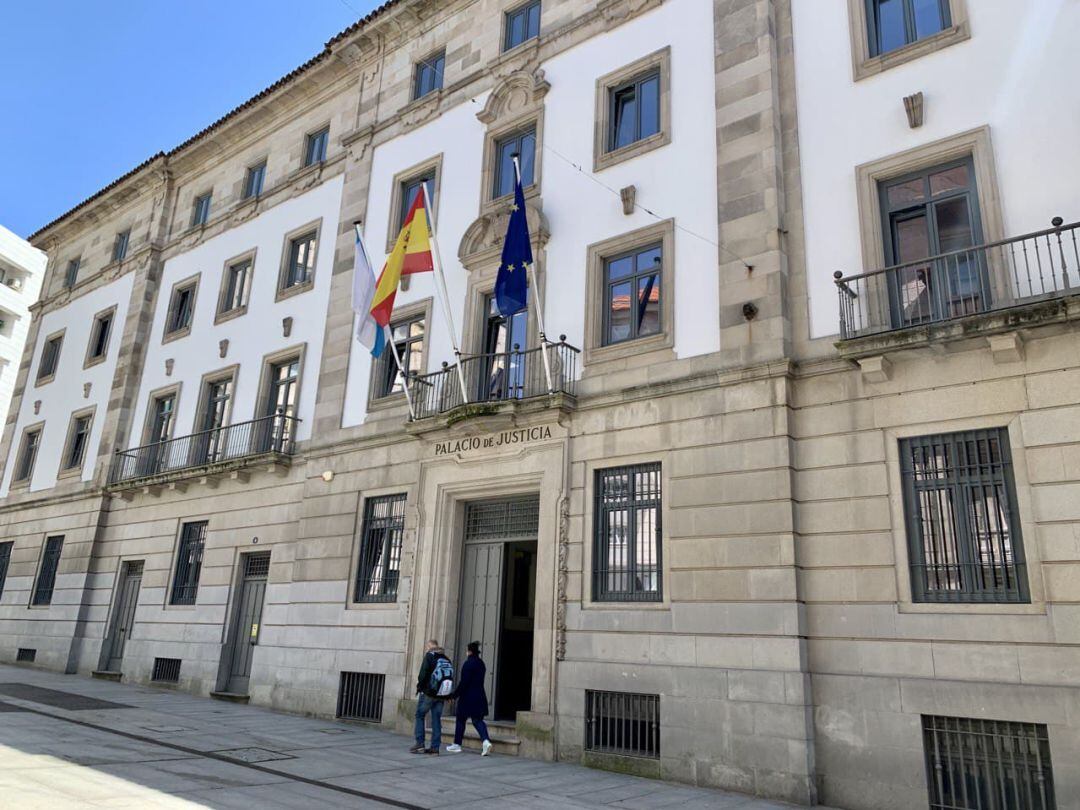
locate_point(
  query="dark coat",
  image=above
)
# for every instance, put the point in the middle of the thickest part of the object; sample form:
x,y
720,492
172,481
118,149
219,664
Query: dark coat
x,y
423,680
471,698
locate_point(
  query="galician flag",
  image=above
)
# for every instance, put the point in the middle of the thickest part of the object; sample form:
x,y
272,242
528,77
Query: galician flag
x,y
368,332
511,284
411,254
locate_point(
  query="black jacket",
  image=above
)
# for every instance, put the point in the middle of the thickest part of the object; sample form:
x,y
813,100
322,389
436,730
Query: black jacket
x,y
471,698
423,681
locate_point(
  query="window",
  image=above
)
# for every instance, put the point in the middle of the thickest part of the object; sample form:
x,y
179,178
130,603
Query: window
x,y
78,439
893,24
188,563
282,381
46,578
201,210
166,670
181,308
315,146
429,75
626,550
5,559
962,524
632,291
211,443
990,764
522,144
380,549
622,723
522,24
28,454
300,264
71,275
99,336
409,189
236,286
635,111
50,357
253,180
926,214
408,336
120,246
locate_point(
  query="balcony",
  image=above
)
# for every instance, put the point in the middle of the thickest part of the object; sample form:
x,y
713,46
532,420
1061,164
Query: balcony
x,y
490,379
1024,278
209,452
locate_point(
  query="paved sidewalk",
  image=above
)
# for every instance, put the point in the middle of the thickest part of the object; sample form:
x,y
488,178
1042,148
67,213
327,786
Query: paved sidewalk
x,y
68,741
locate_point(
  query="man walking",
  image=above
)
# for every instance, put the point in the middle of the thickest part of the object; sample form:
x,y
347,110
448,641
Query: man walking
x,y
434,684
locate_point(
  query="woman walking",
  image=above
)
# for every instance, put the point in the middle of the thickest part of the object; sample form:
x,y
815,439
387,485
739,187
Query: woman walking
x,y
472,702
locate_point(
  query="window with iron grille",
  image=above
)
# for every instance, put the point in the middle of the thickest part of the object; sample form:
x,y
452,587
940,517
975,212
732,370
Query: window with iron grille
x,y
26,654
503,519
360,696
626,549
166,670
120,246
46,578
622,723
188,563
987,764
50,358
5,559
522,24
380,549
962,525
301,262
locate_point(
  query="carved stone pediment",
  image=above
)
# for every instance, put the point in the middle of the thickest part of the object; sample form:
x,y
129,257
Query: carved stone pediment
x,y
484,238
518,92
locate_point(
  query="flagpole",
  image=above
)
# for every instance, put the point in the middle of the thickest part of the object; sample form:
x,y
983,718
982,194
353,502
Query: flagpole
x,y
441,282
538,298
389,337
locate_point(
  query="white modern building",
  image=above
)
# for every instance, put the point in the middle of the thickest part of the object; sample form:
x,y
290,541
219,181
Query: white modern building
x,y
795,514
22,269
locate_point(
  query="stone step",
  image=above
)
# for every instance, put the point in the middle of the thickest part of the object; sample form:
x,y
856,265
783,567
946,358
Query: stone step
x,y
232,697
504,739
106,675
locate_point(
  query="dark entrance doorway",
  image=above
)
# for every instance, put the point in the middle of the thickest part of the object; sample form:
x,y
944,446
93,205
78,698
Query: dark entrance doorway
x,y
247,621
124,616
498,597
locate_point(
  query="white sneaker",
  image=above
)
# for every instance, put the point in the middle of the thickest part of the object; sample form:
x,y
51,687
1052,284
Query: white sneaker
x,y
453,749
485,749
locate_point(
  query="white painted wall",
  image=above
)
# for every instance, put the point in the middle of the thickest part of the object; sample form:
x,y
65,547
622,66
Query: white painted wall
x,y
20,260
675,181
64,395
255,334
1017,74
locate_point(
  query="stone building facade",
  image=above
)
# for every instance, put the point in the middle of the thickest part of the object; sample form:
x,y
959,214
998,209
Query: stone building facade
x,y
766,529
22,267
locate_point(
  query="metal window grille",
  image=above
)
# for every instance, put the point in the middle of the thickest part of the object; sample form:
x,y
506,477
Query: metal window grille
x,y
166,670
380,549
360,696
257,565
46,580
26,655
987,764
188,563
622,723
5,559
626,548
513,517
962,525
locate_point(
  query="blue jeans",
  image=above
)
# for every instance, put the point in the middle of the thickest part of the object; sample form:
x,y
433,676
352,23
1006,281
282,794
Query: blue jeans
x,y
425,704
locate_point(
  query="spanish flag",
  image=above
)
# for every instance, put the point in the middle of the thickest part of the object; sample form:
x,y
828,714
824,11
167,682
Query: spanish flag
x,y
411,254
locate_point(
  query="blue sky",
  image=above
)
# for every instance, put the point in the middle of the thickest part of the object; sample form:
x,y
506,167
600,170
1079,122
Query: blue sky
x,y
91,89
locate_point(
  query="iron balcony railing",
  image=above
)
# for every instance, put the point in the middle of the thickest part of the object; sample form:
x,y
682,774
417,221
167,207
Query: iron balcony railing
x,y
514,375
979,279
270,434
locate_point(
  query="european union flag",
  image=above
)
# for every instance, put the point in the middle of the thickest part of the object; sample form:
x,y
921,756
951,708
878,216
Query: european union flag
x,y
511,284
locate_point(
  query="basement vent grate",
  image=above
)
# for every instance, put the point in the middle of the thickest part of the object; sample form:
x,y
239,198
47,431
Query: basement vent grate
x,y
622,723
166,670
26,654
360,696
